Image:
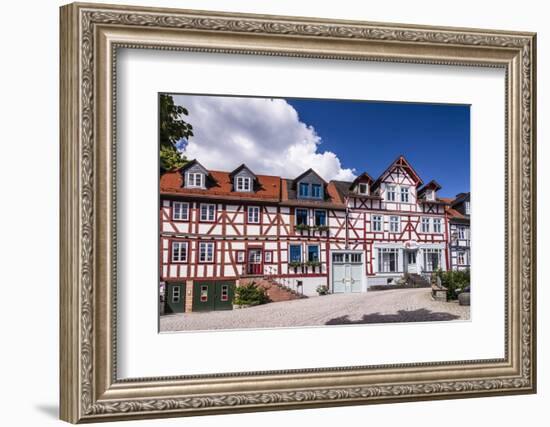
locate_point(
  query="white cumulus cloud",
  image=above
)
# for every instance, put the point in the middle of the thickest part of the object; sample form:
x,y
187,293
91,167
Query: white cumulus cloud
x,y
266,134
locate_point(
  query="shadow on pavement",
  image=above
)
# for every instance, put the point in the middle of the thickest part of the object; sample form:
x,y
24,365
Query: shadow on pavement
x,y
420,315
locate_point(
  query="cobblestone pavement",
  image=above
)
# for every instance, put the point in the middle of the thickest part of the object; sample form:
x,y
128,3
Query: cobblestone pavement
x,y
402,305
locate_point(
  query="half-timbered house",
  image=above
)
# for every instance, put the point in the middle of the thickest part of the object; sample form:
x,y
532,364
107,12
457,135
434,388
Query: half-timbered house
x,y
222,229
458,213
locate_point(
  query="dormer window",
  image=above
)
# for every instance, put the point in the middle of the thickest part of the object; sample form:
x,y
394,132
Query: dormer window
x,y
304,189
243,183
363,188
316,191
430,194
195,180
467,208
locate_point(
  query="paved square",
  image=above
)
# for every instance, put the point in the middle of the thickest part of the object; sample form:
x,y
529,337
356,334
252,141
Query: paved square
x,y
402,305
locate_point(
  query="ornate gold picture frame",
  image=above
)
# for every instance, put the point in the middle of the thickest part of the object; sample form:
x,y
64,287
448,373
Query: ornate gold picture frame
x,y
90,387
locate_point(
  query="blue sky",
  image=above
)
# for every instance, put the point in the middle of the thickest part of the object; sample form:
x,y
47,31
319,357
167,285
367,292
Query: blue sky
x,y
367,136
339,139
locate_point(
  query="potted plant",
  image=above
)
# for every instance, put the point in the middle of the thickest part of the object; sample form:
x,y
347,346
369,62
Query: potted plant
x,y
322,290
301,227
294,265
321,228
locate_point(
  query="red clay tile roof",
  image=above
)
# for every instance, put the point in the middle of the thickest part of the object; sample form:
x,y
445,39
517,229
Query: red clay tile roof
x,y
454,214
171,183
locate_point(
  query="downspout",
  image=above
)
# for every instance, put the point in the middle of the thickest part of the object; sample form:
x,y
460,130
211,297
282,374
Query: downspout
x,y
347,229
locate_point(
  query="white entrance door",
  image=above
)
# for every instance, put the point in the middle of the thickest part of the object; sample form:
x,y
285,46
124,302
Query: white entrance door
x,y
347,271
410,261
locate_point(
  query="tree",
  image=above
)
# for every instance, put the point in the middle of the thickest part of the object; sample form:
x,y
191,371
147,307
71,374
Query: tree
x,y
172,130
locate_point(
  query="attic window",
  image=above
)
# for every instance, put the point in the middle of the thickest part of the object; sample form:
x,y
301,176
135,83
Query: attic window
x,y
243,183
195,179
430,194
363,188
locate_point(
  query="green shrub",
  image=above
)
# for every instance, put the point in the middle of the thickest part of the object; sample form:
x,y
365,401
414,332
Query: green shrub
x,y
250,294
322,289
455,281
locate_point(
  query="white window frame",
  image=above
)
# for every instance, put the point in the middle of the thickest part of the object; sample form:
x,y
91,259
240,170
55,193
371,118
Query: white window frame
x,y
429,251
315,217
404,194
391,190
296,215
240,256
461,232
365,190
180,245
393,222
251,209
174,296
437,225
430,195
208,253
318,252
177,208
461,257
208,206
381,264
425,226
268,257
467,207
243,183
191,180
377,219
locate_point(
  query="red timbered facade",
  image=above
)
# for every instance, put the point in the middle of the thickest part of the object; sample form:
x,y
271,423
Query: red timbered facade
x,y
302,232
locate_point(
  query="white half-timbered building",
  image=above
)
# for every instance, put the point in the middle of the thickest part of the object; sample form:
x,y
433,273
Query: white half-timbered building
x,y
221,229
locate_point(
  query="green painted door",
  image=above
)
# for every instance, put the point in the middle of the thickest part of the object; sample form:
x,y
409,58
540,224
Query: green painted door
x,y
224,295
203,296
208,296
175,298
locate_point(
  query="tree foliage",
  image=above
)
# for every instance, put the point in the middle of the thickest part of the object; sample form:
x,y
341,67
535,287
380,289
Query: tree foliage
x,y
173,128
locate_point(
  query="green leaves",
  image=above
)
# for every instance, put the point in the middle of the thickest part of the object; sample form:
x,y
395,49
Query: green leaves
x,y
172,129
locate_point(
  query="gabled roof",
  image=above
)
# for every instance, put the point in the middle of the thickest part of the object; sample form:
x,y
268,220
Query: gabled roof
x,y
240,168
345,189
363,177
460,197
403,163
192,163
308,172
432,185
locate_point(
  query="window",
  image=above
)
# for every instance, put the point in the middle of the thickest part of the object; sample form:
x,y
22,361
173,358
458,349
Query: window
x,y
179,251
387,260
208,212
432,259
304,189
204,293
390,190
195,179
316,191
467,207
363,188
240,257
430,195
313,253
461,258
461,232
404,195
253,215
180,211
295,253
267,256
175,294
394,224
320,217
244,183
301,217
437,225
355,258
425,225
225,293
206,252
338,258
377,223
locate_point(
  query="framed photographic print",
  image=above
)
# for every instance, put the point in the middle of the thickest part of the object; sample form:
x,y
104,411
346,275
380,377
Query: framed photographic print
x,y
265,212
